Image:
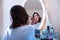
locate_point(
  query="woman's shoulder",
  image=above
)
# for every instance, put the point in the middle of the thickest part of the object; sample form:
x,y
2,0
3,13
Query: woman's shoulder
x,y
29,26
26,27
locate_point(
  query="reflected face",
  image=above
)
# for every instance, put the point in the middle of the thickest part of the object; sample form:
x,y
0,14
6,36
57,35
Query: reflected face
x,y
36,17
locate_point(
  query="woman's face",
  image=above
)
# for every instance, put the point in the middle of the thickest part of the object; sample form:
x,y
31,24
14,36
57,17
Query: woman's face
x,y
36,17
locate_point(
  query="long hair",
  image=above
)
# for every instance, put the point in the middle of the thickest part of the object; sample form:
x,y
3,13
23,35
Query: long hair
x,y
19,16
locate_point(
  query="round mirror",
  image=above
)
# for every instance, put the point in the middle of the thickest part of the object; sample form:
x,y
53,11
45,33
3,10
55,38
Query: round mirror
x,y
37,6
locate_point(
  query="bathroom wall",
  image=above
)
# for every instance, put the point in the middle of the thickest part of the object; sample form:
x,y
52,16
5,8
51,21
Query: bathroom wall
x,y
1,20
53,8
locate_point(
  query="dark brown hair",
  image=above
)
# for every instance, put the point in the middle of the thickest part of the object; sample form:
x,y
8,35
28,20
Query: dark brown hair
x,y
38,15
19,16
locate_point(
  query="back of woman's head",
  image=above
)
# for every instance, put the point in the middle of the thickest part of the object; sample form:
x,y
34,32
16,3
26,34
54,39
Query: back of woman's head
x,y
19,16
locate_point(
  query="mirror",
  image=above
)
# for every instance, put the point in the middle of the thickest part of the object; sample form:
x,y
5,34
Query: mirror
x,y
32,6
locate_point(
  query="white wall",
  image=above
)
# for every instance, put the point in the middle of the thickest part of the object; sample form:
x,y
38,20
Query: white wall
x,y
1,20
7,4
53,7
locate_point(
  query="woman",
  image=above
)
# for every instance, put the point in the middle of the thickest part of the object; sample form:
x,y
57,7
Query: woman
x,y
19,28
36,19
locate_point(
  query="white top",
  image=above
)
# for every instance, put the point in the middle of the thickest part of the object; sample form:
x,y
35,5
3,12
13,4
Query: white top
x,y
21,33
36,26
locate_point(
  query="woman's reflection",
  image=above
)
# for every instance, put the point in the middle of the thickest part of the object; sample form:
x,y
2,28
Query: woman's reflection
x,y
36,19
